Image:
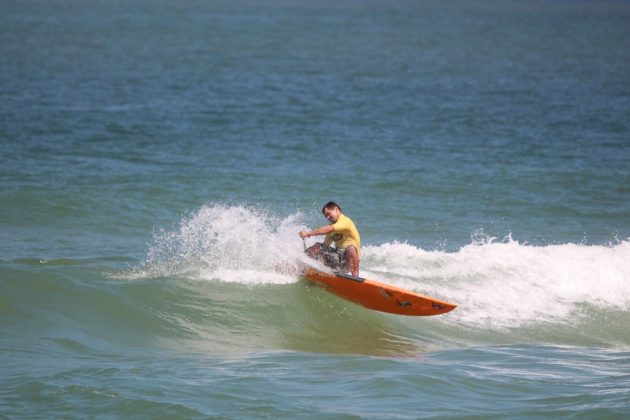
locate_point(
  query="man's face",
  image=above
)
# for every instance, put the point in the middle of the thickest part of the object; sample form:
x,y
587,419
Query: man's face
x,y
332,214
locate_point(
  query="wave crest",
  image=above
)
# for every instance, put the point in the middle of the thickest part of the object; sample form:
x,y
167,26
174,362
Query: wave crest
x,y
508,284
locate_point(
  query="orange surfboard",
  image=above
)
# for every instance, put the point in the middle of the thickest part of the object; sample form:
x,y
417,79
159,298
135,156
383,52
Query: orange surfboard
x,y
378,296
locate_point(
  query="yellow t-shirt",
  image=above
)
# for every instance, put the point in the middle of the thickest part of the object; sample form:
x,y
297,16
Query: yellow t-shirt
x,y
344,235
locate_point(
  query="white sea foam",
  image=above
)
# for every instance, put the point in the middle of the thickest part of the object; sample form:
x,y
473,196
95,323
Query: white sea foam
x,y
496,283
508,284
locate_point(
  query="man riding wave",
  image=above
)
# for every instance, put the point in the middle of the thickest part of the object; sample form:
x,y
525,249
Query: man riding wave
x,y
342,231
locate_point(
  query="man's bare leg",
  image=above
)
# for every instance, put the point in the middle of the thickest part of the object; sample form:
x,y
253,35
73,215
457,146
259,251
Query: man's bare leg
x,y
314,251
352,257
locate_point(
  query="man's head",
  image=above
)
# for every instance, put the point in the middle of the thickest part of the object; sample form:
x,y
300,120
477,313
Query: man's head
x,y
331,211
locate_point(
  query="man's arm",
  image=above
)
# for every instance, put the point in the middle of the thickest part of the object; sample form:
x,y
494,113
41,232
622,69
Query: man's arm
x,y
324,230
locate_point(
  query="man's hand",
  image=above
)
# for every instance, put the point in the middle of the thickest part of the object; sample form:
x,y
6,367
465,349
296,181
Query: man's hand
x,y
304,234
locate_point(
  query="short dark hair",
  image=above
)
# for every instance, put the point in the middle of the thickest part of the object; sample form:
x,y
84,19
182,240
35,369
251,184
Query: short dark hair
x,y
330,205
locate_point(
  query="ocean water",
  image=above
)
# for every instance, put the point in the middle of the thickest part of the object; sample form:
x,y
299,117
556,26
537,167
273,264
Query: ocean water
x,y
158,157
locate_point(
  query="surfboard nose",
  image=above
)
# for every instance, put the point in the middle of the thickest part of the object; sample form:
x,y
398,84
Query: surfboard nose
x,y
378,296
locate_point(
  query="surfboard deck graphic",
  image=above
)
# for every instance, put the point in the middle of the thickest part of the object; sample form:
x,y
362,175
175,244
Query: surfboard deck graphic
x,y
378,296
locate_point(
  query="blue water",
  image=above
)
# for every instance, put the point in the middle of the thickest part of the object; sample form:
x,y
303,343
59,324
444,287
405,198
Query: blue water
x,y
157,159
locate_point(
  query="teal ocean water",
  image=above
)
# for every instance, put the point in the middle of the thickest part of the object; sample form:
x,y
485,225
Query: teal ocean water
x,y
158,157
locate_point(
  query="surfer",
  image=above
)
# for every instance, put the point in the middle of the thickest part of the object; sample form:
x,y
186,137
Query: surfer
x,y
342,231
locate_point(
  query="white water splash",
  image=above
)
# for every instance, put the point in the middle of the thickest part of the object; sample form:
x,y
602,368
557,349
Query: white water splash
x,y
234,244
507,284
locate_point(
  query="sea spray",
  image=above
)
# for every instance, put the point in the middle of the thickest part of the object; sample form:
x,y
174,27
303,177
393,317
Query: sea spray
x,y
227,243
